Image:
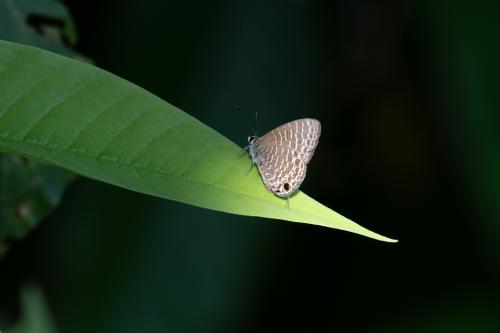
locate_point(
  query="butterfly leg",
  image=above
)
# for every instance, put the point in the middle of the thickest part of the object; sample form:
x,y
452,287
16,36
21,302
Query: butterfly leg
x,y
288,202
244,151
251,167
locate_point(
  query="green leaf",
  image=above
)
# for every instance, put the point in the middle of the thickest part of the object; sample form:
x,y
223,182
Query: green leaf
x,y
89,121
35,317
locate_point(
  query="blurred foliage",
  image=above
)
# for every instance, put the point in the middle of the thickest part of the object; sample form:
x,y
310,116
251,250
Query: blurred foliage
x,y
29,190
469,70
35,316
42,23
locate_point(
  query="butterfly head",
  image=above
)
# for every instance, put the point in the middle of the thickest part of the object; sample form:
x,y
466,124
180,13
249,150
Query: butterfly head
x,y
252,138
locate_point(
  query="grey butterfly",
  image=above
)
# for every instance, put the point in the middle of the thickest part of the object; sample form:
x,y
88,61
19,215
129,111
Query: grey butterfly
x,y
282,154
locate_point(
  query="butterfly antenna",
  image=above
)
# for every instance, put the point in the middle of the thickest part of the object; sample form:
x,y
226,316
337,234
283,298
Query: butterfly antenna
x,y
245,120
256,124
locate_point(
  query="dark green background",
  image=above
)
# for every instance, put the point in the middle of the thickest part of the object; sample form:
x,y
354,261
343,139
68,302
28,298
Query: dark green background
x,y
408,96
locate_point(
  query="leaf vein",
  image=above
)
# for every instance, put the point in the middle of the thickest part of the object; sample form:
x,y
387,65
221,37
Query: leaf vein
x,y
98,115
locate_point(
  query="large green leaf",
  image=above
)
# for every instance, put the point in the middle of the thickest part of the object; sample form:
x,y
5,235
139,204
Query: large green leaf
x,y
79,117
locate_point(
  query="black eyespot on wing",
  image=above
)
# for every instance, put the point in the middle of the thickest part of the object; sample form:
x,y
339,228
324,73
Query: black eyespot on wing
x,y
286,186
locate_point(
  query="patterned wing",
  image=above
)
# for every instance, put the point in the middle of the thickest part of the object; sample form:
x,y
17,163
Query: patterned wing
x,y
282,155
280,171
300,135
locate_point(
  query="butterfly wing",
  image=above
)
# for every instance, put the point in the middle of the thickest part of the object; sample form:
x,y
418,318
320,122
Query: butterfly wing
x,y
300,135
282,155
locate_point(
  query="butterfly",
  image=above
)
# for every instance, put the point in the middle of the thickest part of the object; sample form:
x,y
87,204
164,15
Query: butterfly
x,y
282,154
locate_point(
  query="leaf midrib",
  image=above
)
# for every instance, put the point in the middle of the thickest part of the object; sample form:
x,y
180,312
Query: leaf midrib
x,y
132,165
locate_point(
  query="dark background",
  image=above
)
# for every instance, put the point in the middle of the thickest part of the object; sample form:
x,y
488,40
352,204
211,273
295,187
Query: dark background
x,y
407,94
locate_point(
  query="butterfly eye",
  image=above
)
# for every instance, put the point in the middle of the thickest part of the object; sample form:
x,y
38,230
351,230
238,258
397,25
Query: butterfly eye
x,y
286,186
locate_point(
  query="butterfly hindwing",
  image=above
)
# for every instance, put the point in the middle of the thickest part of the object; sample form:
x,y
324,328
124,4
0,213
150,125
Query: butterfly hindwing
x,y
282,176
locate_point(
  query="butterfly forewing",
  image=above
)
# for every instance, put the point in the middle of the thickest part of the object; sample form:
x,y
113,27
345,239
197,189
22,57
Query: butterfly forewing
x,y
282,155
